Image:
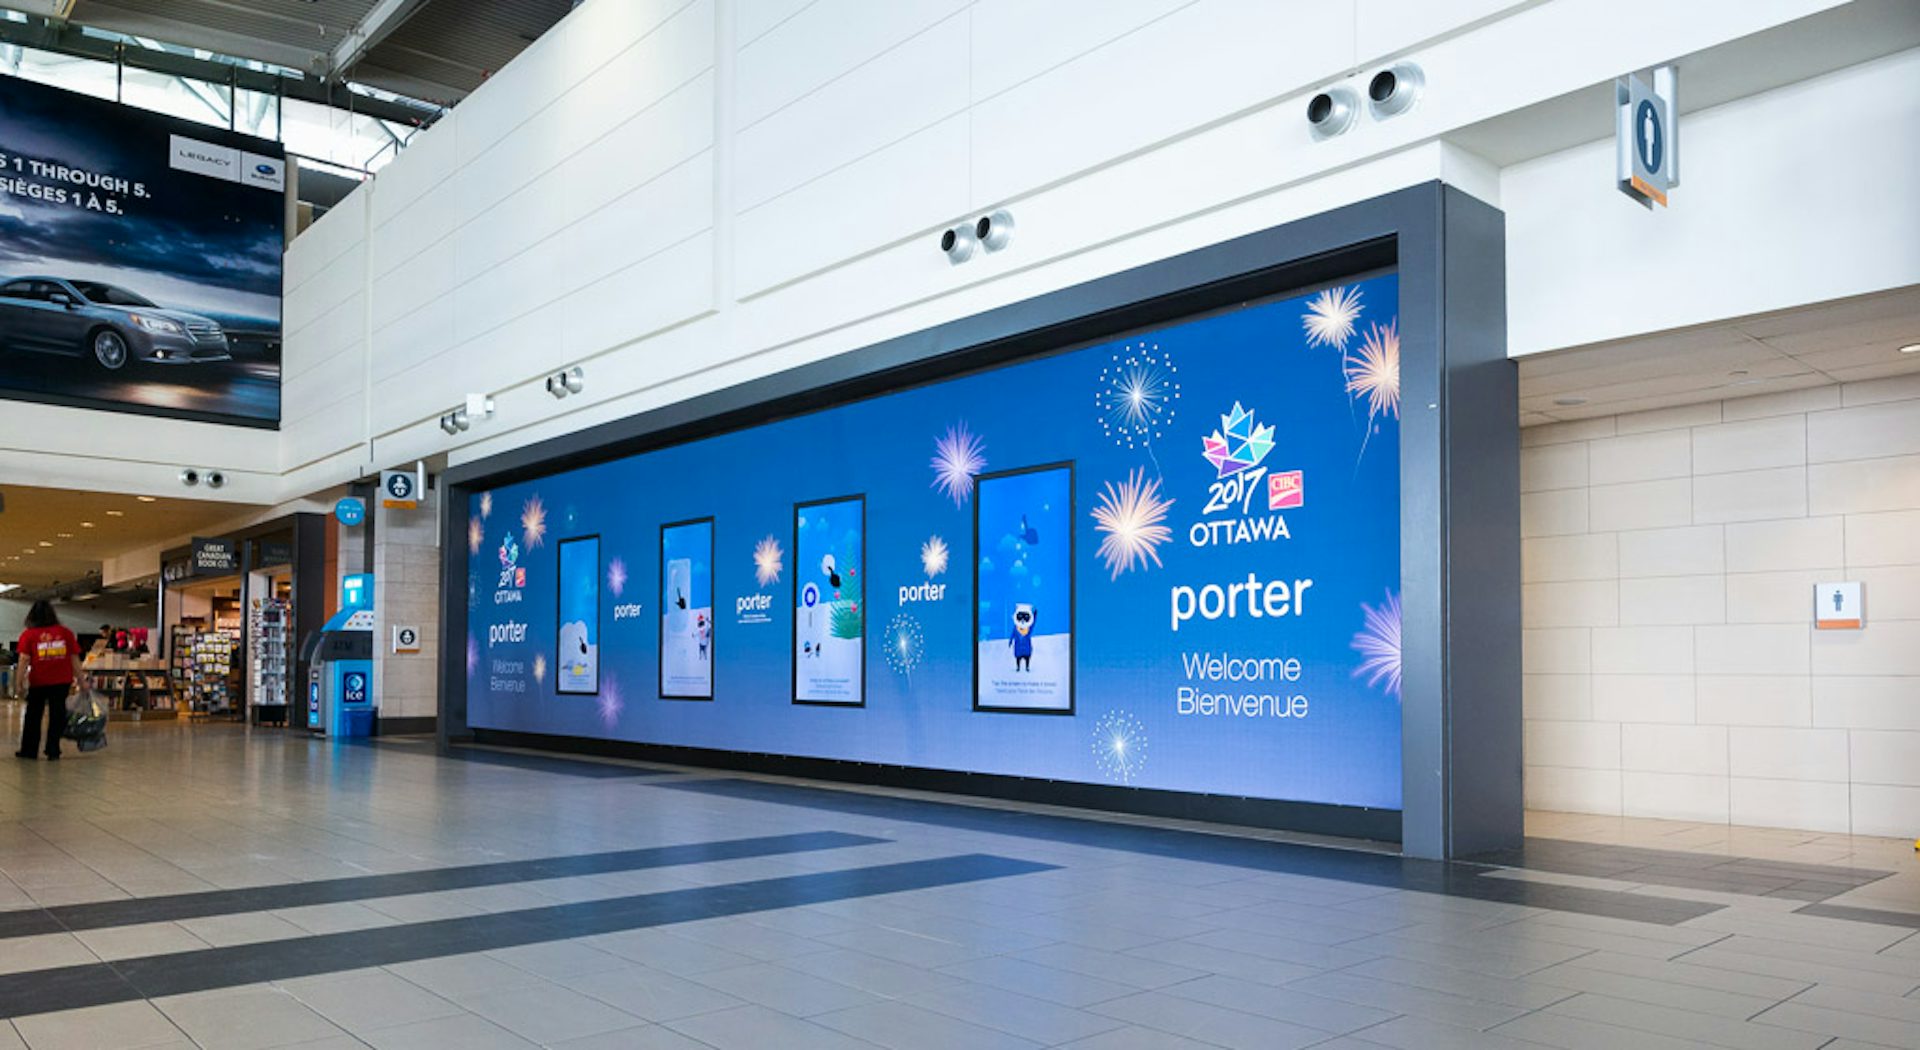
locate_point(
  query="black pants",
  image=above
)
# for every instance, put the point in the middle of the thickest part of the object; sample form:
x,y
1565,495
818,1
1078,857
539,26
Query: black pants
x,y
42,698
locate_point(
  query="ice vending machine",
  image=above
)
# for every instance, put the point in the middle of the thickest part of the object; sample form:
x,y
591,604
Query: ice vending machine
x,y
340,665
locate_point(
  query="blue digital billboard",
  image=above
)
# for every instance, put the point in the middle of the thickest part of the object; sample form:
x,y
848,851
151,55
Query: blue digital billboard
x,y
1181,546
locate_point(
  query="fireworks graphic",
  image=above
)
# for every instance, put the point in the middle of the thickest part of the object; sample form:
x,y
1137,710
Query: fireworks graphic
x,y
486,505
1138,388
768,560
1373,371
1378,644
933,556
533,522
957,457
906,645
540,667
476,535
1119,746
617,576
473,654
1331,316
1133,518
610,703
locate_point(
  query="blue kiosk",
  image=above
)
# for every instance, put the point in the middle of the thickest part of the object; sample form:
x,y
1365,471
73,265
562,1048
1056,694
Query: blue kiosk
x,y
340,665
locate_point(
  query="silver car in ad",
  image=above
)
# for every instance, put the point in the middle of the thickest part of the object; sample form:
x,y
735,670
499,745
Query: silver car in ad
x,y
103,322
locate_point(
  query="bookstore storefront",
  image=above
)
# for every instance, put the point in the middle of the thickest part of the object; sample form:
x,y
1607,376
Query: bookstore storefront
x,y
233,609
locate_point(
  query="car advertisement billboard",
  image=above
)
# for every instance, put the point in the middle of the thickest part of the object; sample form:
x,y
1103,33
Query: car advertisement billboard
x,y
1168,560
139,260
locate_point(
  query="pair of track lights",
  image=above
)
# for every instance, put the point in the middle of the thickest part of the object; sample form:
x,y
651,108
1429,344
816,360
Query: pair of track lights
x,y
191,477
992,232
1391,92
461,418
571,381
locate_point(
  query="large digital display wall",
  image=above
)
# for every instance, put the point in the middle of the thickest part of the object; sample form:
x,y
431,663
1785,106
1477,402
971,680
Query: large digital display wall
x,y
1170,560
139,259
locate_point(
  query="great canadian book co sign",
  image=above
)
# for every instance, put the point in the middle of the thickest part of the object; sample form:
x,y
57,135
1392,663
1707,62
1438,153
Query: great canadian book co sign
x,y
206,558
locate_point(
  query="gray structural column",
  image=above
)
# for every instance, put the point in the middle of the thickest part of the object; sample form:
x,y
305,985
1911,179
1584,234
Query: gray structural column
x,y
1460,536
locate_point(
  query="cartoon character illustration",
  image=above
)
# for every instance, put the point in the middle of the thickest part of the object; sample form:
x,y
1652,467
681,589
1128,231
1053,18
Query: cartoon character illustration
x,y
704,631
812,626
1021,637
680,598
1028,534
827,567
576,653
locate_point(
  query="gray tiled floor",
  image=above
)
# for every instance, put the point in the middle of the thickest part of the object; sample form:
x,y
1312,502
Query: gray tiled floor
x,y
1111,948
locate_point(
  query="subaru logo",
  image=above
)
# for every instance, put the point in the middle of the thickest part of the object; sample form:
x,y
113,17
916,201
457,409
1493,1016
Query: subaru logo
x,y
264,169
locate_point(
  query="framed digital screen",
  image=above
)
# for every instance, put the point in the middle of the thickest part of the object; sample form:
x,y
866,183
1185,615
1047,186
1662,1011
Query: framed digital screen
x,y
1181,543
686,610
577,664
829,615
1023,590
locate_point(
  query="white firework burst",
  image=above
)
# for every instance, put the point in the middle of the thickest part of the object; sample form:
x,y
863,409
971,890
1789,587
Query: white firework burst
x,y
1119,746
610,702
1331,316
768,561
1138,394
1373,371
1378,644
933,556
540,667
476,535
906,645
957,457
1132,518
617,576
533,522
486,505
473,654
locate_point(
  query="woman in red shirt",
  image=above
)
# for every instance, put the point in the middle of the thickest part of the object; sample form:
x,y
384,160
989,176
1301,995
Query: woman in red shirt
x,y
52,656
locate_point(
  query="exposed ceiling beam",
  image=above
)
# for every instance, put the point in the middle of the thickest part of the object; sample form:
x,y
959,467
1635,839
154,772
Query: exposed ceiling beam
x,y
385,17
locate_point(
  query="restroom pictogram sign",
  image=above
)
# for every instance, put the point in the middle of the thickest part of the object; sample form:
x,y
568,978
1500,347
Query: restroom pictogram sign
x,y
1839,606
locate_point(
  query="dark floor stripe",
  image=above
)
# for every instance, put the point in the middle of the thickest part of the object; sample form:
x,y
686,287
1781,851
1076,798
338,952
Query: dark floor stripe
x,y
1752,876
72,987
539,763
1882,916
170,908
1452,878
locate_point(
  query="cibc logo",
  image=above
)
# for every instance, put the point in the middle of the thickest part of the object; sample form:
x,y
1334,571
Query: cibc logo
x,y
513,575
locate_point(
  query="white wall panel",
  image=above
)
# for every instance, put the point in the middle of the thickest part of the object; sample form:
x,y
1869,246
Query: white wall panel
x,y
826,40
874,105
1586,265
908,187
1387,26
1123,97
1016,40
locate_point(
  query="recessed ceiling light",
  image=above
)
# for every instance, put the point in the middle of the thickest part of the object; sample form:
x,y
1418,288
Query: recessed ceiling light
x,y
86,524
116,514
144,499
64,535
1569,402
46,543
1911,348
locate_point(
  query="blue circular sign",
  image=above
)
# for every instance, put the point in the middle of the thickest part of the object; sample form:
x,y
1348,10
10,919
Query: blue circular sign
x,y
350,511
810,595
353,688
1649,136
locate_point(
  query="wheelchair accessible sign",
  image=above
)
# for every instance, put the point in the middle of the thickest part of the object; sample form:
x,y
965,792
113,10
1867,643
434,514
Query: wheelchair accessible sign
x,y
1648,141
